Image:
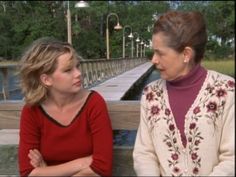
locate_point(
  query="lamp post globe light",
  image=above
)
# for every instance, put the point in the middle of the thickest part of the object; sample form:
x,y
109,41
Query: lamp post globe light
x,y
130,36
80,4
117,27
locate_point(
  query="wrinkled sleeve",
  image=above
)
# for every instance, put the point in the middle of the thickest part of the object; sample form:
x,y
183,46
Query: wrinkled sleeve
x,y
144,156
100,125
29,139
226,165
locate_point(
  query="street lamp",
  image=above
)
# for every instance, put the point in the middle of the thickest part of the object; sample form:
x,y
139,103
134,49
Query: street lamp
x,y
130,36
141,48
144,49
137,41
80,4
3,6
117,27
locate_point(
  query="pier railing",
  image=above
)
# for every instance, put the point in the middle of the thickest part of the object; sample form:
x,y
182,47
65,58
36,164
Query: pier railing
x,y
124,116
93,71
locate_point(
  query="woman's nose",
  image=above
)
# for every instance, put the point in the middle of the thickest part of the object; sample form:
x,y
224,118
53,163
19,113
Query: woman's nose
x,y
77,72
155,59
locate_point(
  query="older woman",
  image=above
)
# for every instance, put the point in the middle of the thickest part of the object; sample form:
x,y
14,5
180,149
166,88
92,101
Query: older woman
x,y
187,118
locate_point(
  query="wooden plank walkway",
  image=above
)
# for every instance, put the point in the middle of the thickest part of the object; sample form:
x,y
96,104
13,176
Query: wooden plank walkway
x,y
115,88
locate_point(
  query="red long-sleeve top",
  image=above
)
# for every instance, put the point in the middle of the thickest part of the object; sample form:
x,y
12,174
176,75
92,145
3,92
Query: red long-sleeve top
x,y
89,133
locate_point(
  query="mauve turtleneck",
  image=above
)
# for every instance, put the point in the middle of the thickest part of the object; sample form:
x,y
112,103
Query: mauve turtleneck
x,y
182,92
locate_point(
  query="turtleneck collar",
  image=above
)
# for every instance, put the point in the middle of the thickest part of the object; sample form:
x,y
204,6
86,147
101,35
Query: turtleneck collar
x,y
192,78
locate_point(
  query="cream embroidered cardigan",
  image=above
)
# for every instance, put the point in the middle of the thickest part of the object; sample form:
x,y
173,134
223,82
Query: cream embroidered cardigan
x,y
209,128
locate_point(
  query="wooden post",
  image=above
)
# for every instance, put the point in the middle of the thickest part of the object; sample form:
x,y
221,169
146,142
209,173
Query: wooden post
x,y
5,89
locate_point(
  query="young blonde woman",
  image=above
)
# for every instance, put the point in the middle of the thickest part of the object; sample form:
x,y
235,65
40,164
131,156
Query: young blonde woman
x,y
187,123
65,129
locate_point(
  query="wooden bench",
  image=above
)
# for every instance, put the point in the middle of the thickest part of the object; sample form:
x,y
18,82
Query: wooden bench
x,y
124,116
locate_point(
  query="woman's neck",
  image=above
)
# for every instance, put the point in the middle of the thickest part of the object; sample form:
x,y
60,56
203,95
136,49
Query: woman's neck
x,y
189,79
61,101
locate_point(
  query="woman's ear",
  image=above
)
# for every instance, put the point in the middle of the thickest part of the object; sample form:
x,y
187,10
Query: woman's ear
x,y
188,54
45,79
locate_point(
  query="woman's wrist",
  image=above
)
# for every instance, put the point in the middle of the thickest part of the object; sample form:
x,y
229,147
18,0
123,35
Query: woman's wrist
x,y
84,162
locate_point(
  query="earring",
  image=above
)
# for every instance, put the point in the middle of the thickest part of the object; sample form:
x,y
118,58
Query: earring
x,y
186,60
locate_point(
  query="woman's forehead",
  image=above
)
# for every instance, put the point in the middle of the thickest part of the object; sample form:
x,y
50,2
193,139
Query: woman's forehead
x,y
67,59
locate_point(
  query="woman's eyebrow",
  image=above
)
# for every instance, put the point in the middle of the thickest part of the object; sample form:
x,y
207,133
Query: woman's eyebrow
x,y
157,50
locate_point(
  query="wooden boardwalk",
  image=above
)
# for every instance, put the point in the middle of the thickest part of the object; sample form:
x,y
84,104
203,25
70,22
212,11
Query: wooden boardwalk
x,y
115,88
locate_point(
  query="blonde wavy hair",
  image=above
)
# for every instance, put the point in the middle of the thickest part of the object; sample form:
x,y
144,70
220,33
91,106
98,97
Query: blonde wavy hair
x,y
40,58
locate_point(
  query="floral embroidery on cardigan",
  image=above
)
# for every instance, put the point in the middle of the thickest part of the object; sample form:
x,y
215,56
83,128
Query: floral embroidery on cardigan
x,y
218,91
171,142
156,93
214,99
212,102
194,140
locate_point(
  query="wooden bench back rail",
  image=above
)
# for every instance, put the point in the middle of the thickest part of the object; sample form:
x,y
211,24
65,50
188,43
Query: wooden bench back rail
x,y
124,114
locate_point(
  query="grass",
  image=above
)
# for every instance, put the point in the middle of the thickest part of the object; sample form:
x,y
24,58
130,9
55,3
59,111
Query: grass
x,y
8,63
223,66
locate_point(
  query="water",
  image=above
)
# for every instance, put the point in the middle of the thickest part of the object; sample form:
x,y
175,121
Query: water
x,y
135,92
15,94
121,137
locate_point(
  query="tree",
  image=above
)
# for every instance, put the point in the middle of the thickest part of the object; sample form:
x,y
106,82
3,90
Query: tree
x,y
220,19
22,22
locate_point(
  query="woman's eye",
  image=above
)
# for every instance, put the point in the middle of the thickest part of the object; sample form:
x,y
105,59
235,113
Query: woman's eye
x,y
68,70
158,53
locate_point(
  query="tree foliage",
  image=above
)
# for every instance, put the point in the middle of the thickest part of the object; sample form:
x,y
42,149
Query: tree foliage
x,y
220,18
22,22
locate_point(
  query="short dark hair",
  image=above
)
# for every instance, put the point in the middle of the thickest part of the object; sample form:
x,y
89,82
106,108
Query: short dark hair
x,y
183,29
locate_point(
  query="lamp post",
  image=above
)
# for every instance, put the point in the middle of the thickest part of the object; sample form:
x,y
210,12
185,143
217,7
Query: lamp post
x,y
130,36
137,46
80,4
132,44
3,6
132,47
118,26
146,46
141,48
144,49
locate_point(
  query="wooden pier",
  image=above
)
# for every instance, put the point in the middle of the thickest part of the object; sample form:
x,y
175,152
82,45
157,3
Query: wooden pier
x,y
116,87
94,71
